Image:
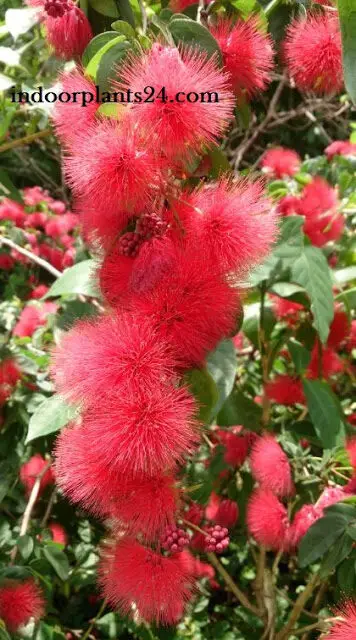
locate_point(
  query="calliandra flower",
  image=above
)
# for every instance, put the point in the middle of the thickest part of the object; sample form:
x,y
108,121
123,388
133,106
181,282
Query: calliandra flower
x,y
281,162
227,513
140,504
234,221
123,276
9,372
20,602
319,206
247,54
351,342
303,520
7,262
324,362
178,6
68,29
159,586
237,444
340,148
345,627
31,469
351,450
270,466
339,329
329,496
288,205
285,309
115,352
178,126
70,118
32,317
38,292
286,390
267,519
13,211
192,307
58,533
145,432
195,513
313,53
114,177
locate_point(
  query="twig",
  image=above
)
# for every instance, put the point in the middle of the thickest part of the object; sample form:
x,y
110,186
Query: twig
x,y
93,622
298,607
48,509
240,596
322,625
30,505
25,140
42,263
143,16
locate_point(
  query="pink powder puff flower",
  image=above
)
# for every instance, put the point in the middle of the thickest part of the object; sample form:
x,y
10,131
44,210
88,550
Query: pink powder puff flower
x,y
288,206
267,519
19,602
329,496
281,162
178,126
68,29
324,362
247,54
285,390
236,445
313,53
159,586
270,466
339,329
31,318
59,534
303,520
285,309
71,120
319,205
31,469
13,211
340,148
344,629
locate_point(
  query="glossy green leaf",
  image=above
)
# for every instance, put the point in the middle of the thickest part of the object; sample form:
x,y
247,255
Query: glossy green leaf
x,y
59,561
347,18
205,391
109,63
78,279
96,44
52,414
107,8
25,546
300,355
325,413
336,554
240,409
92,68
222,364
124,28
189,32
320,537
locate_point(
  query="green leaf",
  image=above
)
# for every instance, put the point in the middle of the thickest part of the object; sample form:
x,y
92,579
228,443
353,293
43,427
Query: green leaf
x,y
189,32
347,18
300,355
96,44
320,537
6,82
78,279
345,275
3,633
25,546
336,554
106,7
219,162
8,189
222,365
250,326
124,28
325,413
204,390
290,244
346,577
109,62
239,409
311,271
286,289
51,415
59,561
92,68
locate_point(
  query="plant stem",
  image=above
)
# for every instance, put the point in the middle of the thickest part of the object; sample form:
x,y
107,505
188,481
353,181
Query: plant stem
x,y
25,140
240,596
271,7
31,256
93,622
285,633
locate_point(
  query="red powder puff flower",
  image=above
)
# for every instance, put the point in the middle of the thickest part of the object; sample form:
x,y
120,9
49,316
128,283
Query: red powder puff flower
x,y
350,487
142,505
159,586
19,602
114,177
247,54
6,262
303,520
178,126
143,432
324,363
195,513
339,329
236,446
329,496
112,353
288,205
9,372
178,6
13,211
344,628
33,317
351,450
66,114
33,196
227,513
313,53
192,307
340,148
123,276
267,519
31,469
319,205
38,292
285,309
270,466
281,162
58,533
233,221
351,343
285,390
68,29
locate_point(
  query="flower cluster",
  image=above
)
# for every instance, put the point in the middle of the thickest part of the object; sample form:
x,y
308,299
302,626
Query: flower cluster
x,y
169,261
